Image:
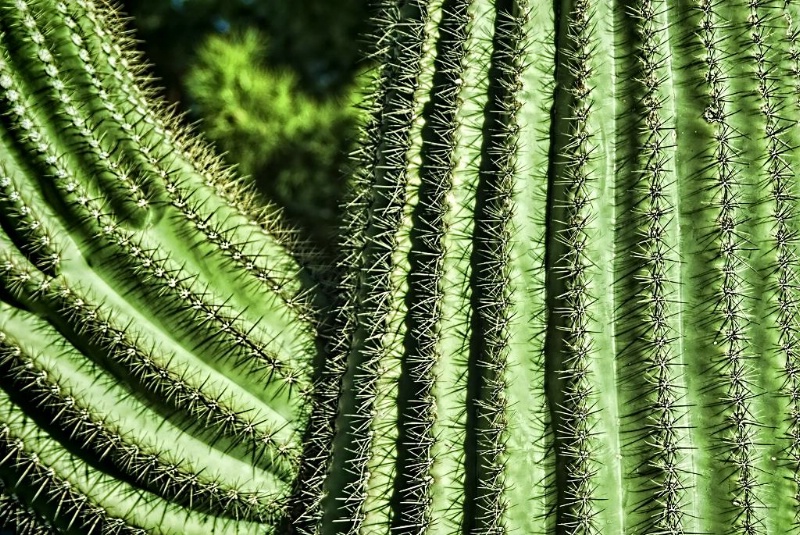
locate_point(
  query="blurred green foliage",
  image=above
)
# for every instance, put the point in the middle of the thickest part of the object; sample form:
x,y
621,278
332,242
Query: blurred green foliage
x,y
272,83
318,40
294,146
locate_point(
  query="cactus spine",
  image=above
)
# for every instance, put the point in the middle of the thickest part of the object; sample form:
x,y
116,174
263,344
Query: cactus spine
x,y
565,303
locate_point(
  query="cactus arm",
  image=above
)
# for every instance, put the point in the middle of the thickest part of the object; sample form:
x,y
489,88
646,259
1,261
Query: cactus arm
x,y
85,209
61,387
156,350
216,313
286,333
91,500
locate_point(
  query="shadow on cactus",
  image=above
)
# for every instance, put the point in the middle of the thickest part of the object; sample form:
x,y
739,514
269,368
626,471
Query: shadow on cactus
x,y
565,300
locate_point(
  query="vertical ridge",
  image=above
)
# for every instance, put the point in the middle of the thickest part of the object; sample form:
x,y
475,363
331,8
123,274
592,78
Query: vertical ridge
x,y
653,405
576,419
763,22
451,387
790,327
485,503
374,294
581,368
729,388
307,505
411,500
530,467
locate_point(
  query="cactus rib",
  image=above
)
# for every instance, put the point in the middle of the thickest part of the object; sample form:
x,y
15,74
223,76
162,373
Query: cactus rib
x,y
564,300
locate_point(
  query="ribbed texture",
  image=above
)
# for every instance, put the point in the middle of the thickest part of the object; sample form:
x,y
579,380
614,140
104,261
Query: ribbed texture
x,y
565,300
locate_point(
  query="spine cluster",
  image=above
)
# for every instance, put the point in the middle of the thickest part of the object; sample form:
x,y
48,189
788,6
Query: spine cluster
x,y
509,341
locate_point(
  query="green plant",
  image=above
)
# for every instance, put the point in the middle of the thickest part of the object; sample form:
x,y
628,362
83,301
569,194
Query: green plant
x,y
566,300
318,43
294,149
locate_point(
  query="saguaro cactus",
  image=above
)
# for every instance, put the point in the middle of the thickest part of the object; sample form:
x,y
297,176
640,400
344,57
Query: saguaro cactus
x,y
566,300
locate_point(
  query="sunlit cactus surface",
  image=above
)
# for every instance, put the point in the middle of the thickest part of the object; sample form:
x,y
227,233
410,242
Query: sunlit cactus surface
x,y
565,300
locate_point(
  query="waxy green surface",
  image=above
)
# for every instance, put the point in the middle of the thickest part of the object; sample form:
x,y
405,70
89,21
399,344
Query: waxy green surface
x,y
566,300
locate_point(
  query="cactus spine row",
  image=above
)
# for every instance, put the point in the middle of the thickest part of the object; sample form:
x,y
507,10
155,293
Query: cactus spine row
x,y
565,300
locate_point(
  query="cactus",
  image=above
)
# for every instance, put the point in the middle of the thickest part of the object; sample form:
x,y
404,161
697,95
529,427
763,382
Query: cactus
x,y
565,300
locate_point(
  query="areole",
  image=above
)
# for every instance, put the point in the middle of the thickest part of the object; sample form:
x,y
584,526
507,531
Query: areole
x,y
566,300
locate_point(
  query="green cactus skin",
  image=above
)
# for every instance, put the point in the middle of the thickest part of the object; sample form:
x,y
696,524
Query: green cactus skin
x,y
566,300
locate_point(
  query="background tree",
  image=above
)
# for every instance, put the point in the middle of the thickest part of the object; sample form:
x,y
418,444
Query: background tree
x,y
222,60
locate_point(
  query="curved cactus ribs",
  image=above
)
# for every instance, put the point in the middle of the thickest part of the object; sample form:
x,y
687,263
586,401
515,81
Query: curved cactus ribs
x,y
566,300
